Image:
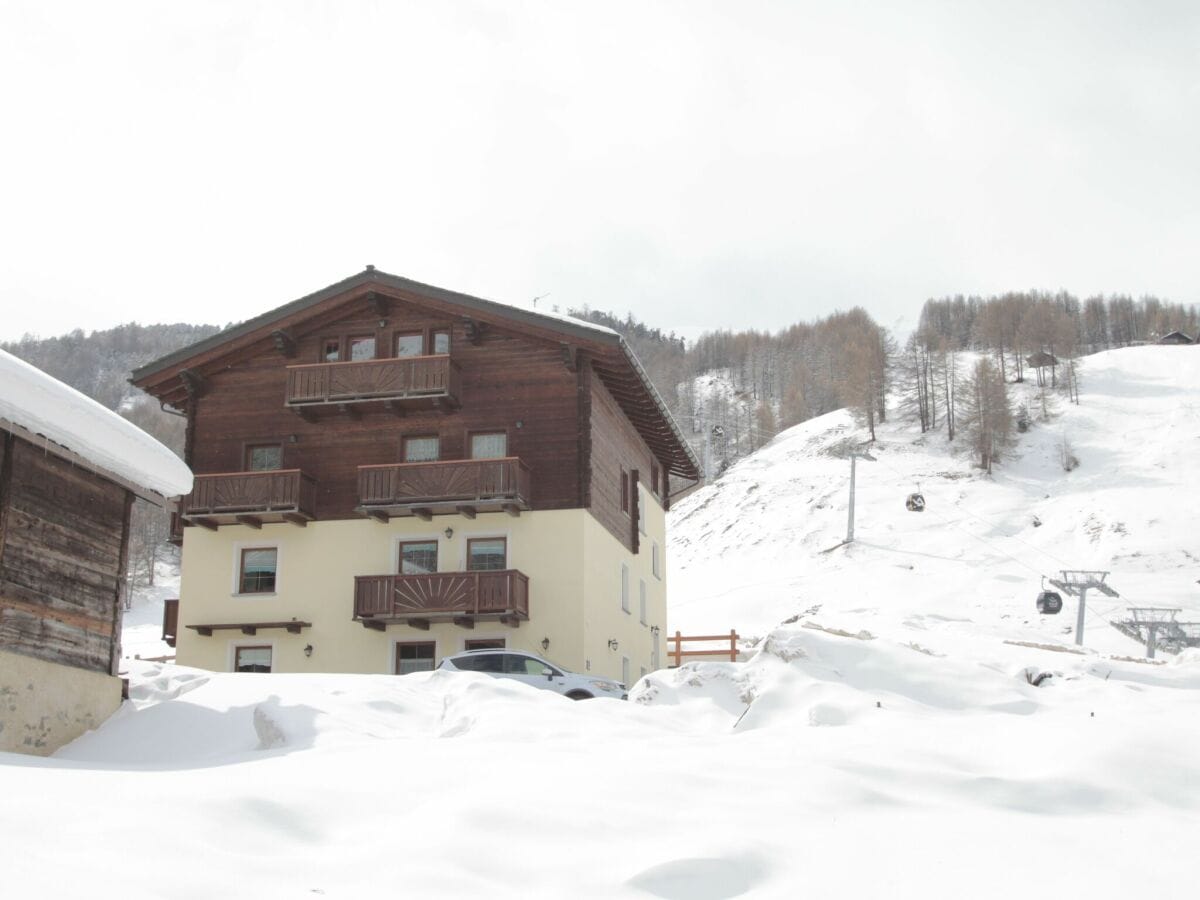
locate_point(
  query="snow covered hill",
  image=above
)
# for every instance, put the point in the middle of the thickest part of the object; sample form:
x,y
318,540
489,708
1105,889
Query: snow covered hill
x,y
745,552
906,725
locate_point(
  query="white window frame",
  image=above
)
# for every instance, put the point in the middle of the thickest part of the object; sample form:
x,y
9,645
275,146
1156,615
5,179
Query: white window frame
x,y
235,587
642,600
435,537
625,588
655,560
393,642
231,650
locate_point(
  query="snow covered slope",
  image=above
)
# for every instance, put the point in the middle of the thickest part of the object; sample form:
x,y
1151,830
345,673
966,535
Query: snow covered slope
x,y
745,552
916,731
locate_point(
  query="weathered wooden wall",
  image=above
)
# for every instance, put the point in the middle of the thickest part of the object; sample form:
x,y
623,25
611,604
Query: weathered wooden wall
x,y
63,538
506,379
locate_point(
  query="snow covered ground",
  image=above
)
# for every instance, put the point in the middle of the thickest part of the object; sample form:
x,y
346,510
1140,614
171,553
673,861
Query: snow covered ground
x,y
889,741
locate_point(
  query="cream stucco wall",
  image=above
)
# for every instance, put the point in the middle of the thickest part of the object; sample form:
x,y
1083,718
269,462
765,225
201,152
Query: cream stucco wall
x,y
604,618
315,583
44,705
571,560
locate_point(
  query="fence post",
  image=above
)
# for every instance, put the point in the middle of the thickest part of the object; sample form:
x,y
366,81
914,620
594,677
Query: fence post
x,y
678,649
732,645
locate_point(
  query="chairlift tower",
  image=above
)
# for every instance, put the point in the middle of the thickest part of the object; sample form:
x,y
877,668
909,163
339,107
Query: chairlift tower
x,y
856,453
1077,582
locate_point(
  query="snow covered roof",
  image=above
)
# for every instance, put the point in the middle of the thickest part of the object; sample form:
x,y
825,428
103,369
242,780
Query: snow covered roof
x,y
43,407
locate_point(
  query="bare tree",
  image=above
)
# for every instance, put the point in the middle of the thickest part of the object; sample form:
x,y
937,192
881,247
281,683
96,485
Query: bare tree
x,y
987,413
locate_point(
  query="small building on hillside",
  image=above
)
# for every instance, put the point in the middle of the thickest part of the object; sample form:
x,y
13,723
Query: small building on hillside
x,y
1039,362
69,472
1175,337
390,472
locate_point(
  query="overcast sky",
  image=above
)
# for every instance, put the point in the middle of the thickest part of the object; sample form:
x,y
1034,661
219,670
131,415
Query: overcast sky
x,y
702,165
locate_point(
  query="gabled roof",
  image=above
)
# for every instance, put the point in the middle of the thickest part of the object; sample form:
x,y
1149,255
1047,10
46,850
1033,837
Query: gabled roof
x,y
612,359
58,418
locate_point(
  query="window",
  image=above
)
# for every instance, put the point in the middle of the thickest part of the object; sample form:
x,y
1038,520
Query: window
x,y
624,588
489,445
331,350
418,557
415,657
264,457
409,344
643,675
642,600
484,662
440,341
625,670
425,448
641,512
487,554
624,491
655,563
252,659
362,348
257,572
483,644
515,664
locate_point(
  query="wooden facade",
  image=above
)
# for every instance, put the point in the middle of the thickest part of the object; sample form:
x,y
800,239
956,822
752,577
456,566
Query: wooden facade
x,y
64,537
322,380
381,400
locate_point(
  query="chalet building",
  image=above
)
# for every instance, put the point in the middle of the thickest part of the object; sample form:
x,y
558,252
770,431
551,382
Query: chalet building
x,y
389,472
1175,337
69,471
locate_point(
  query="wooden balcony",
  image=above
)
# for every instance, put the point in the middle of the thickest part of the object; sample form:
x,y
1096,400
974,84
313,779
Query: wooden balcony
x,y
465,486
250,498
393,382
459,597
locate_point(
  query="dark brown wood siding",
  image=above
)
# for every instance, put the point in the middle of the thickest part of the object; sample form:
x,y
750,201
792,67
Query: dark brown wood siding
x,y
63,538
505,379
615,447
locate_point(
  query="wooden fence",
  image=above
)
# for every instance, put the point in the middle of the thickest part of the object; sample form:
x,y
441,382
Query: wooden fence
x,y
676,652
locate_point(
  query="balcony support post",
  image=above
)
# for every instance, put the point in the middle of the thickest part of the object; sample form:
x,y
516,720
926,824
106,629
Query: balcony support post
x,y
253,521
419,624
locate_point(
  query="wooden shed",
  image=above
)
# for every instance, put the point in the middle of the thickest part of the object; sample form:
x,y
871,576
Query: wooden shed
x,y
69,472
1175,337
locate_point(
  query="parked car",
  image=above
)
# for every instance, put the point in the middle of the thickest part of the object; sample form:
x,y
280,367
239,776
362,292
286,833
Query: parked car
x,y
534,671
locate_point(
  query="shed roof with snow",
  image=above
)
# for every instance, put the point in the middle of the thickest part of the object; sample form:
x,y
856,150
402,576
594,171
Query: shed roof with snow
x,y
64,422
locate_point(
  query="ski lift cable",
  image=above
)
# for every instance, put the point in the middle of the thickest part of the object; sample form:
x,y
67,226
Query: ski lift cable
x,y
982,519
1087,611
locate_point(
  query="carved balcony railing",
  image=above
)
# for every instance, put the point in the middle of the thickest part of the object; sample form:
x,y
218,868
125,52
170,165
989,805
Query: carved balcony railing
x,y
250,498
460,597
466,486
411,378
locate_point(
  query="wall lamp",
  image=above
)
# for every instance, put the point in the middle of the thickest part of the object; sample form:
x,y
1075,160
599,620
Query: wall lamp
x,y
308,650
654,630
612,644
449,532
545,643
